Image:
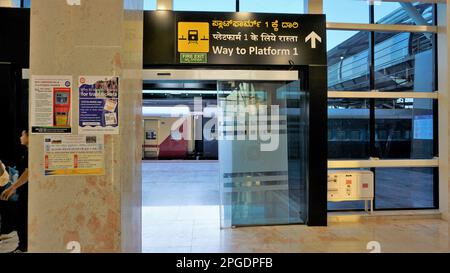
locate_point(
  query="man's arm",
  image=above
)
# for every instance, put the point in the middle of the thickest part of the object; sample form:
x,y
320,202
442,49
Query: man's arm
x,y
23,179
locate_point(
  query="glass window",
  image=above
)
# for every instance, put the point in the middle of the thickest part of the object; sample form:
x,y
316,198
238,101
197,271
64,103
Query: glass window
x,y
10,3
404,128
404,188
348,60
404,13
345,205
272,6
348,128
338,11
404,62
149,4
204,5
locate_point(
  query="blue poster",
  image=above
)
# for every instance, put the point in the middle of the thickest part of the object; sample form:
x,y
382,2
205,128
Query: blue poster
x,y
99,105
423,127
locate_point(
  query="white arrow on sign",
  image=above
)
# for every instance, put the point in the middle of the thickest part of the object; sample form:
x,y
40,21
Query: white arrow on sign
x,y
313,37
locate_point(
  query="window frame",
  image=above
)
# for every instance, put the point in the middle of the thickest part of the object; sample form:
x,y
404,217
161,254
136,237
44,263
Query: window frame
x,y
374,94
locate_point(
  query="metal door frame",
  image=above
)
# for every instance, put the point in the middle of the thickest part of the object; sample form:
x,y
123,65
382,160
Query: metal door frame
x,y
219,74
314,78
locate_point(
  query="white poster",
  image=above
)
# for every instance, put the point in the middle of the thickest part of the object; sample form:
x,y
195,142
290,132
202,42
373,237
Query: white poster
x,y
51,104
74,155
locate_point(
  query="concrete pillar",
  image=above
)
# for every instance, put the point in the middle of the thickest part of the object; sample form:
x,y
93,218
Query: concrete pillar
x,y
102,213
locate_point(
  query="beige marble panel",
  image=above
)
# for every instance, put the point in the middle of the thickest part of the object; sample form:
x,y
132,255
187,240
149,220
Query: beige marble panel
x,y
103,213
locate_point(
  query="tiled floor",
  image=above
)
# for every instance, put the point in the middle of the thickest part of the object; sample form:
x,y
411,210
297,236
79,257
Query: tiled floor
x,y
181,214
180,183
191,231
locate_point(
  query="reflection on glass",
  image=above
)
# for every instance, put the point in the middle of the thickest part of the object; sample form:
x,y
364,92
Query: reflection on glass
x,y
404,128
179,119
348,60
338,11
404,62
10,4
404,13
348,128
149,4
346,205
404,188
271,6
262,152
204,5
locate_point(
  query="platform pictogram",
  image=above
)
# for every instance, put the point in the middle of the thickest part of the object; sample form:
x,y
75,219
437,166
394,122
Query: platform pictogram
x,y
193,37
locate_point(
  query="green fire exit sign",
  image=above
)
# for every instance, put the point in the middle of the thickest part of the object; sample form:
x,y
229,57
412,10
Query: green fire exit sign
x,y
193,58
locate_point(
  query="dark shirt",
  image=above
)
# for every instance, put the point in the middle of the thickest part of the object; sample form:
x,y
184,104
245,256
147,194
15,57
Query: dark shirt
x,y
23,163
21,167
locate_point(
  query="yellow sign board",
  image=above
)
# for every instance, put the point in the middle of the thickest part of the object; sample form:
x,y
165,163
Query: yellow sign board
x,y
193,37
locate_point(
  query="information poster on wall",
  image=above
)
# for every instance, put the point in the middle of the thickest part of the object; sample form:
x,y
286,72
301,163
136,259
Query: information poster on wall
x,y
51,104
99,105
74,155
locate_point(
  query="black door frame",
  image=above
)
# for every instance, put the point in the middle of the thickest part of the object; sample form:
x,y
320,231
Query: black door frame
x,y
314,82
160,52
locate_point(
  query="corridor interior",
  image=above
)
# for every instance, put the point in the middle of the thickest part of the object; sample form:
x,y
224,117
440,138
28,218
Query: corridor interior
x,y
180,205
181,214
181,194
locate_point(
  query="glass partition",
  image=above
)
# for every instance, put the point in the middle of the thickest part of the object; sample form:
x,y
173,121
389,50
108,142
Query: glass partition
x,y
263,135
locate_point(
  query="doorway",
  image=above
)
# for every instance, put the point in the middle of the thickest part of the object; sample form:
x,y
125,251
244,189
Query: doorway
x,y
222,149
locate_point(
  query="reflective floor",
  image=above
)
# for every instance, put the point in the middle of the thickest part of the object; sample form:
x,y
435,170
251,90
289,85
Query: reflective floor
x,y
180,183
182,215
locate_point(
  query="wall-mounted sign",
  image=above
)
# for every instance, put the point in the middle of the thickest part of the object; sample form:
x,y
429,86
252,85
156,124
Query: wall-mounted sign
x,y
234,38
51,104
98,105
74,155
193,37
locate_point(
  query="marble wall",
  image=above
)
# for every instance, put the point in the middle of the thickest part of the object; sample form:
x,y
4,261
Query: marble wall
x,y
103,213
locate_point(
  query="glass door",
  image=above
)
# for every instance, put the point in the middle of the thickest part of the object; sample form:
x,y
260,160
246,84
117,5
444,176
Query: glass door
x,y
263,140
